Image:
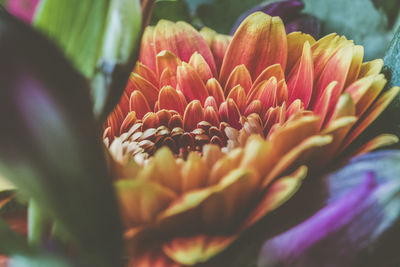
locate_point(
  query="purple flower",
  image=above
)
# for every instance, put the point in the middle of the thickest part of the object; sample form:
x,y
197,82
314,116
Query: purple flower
x,y
289,12
355,228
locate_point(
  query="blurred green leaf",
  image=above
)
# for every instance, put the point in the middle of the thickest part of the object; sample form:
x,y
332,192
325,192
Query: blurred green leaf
x,y
220,15
391,8
10,243
50,147
368,26
172,10
100,37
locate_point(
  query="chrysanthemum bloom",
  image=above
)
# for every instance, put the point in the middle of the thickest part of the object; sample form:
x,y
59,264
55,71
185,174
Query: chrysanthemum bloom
x,y
271,105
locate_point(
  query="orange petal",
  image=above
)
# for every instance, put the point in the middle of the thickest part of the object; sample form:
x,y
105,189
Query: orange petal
x,y
210,102
147,51
193,114
238,95
355,66
128,122
294,108
365,91
218,44
239,76
277,194
190,83
152,259
124,103
214,89
301,78
281,93
336,69
169,99
271,117
324,49
175,121
338,129
136,82
377,108
254,107
260,41
307,149
164,170
201,66
344,107
196,249
370,68
266,93
211,115
150,120
377,142
138,103
163,116
322,106
272,71
166,59
229,112
296,41
168,77
146,73
183,40
141,200
194,172
226,164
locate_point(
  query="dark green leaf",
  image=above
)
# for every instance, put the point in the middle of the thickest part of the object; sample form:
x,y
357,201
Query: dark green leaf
x,y
50,147
172,10
222,14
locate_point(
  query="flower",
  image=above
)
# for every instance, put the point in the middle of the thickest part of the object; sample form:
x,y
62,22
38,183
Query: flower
x,y
362,209
244,118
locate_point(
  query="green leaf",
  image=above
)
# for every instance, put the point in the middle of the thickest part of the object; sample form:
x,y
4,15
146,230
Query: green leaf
x,y
391,8
172,10
368,26
100,37
10,242
222,14
50,148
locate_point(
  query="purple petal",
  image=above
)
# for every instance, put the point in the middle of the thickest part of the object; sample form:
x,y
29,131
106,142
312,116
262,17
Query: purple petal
x,y
357,226
23,9
286,10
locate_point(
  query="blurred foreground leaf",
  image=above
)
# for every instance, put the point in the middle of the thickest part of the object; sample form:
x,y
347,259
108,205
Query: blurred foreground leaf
x,y
50,148
100,37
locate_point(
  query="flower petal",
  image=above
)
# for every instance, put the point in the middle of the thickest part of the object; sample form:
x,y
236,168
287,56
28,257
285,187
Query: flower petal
x,y
347,232
245,49
239,76
141,201
183,40
190,83
301,78
196,249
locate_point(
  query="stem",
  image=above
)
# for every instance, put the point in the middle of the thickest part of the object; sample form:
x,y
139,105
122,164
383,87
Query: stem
x,y
36,224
